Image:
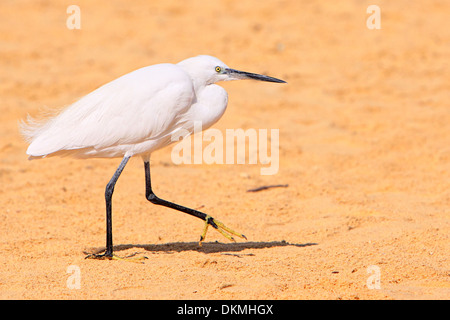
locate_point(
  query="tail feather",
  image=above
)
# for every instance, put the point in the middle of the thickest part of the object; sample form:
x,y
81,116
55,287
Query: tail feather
x,y
30,128
33,131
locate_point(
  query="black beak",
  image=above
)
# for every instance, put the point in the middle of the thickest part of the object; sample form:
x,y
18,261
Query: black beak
x,y
236,74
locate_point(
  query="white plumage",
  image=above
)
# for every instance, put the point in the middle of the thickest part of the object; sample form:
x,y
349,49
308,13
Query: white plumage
x,y
134,114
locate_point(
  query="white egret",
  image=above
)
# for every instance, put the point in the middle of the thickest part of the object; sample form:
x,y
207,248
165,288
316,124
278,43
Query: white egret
x,y
135,115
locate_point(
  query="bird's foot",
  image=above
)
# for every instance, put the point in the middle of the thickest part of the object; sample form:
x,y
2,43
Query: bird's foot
x,y
111,256
219,226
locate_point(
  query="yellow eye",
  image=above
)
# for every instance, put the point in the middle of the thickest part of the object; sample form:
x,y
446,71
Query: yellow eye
x,y
218,69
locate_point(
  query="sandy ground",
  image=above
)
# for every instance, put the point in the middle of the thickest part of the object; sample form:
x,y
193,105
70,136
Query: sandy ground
x,y
364,147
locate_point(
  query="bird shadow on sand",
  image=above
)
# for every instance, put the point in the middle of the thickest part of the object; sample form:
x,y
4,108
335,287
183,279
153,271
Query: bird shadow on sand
x,y
207,247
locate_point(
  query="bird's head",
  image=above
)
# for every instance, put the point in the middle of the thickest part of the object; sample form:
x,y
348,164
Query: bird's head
x,y
207,70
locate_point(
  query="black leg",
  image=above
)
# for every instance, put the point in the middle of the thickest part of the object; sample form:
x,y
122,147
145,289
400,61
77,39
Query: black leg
x,y
208,219
108,197
155,200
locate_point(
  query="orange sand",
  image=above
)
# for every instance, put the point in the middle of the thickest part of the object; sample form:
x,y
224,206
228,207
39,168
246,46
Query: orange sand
x,y
364,147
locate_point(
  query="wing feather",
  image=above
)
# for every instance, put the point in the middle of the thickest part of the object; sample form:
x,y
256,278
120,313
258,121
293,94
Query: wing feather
x,y
146,104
